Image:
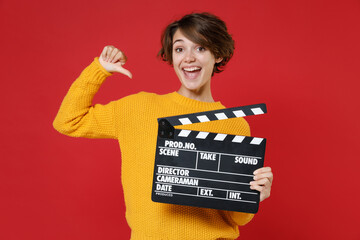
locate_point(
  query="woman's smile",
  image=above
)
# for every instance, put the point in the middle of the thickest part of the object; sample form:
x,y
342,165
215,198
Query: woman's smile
x,y
191,72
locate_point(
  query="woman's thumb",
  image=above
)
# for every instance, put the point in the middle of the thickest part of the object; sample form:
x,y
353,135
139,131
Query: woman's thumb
x,y
124,71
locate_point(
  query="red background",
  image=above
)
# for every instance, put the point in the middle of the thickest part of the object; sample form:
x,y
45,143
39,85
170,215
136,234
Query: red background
x,y
299,57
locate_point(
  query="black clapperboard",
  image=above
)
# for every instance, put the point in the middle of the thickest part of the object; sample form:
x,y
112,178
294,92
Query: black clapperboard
x,y
205,169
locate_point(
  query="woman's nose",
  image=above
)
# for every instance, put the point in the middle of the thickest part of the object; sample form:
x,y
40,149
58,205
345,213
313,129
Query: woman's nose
x,y
189,56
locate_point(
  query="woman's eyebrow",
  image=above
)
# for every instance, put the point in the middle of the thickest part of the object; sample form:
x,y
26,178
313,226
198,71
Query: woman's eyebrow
x,y
178,40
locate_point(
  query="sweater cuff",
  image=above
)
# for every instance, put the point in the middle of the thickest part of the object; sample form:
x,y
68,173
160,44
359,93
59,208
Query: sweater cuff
x,y
94,74
101,68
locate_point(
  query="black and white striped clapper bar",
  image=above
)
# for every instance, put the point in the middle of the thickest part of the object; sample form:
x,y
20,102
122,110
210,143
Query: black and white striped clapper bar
x,y
204,169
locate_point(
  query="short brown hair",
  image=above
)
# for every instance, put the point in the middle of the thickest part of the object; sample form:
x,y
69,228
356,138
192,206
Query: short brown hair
x,y
205,29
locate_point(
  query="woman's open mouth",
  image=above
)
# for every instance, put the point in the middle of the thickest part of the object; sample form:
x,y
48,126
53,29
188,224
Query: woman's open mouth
x,y
191,72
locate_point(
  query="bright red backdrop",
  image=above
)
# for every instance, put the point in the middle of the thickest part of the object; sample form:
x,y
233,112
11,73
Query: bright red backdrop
x,y
299,57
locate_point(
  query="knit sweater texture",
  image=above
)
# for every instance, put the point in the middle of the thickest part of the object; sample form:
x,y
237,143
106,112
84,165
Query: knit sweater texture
x,y
132,121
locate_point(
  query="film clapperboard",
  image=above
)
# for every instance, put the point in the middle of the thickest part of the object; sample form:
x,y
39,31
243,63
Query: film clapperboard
x,y
204,169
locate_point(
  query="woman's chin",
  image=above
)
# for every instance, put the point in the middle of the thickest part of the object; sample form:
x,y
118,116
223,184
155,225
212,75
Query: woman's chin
x,y
191,87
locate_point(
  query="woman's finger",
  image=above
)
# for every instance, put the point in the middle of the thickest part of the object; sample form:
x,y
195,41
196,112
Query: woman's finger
x,y
114,52
124,71
108,52
120,56
263,181
268,175
103,53
257,187
262,170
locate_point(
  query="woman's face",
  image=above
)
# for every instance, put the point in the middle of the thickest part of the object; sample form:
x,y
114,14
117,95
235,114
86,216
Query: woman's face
x,y
193,64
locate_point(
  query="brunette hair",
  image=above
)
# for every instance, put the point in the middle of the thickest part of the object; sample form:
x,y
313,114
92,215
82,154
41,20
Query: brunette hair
x,y
204,29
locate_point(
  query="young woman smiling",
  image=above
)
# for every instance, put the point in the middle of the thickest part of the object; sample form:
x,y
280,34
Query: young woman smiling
x,y
194,66
197,46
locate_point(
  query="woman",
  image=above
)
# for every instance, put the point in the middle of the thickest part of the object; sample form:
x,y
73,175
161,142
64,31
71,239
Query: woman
x,y
197,46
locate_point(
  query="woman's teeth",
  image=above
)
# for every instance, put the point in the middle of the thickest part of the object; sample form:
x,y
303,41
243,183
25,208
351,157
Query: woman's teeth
x,y
191,73
192,69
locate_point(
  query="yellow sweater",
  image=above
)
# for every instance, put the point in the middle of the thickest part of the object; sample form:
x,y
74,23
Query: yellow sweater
x,y
132,120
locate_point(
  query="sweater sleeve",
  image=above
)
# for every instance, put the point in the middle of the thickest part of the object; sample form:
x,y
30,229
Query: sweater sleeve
x,y
77,117
241,218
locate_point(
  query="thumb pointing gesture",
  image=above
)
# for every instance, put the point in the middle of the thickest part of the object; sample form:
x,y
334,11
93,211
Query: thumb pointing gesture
x,y
112,59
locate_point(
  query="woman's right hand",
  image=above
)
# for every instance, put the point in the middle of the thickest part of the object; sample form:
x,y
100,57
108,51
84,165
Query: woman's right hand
x,y
112,59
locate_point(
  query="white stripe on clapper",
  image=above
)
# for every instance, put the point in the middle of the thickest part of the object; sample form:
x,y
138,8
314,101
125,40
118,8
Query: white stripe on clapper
x,y
256,141
220,137
185,121
202,135
238,139
239,113
203,118
184,133
221,116
257,111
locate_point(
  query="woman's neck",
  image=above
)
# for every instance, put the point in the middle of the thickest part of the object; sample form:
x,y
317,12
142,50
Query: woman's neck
x,y
203,94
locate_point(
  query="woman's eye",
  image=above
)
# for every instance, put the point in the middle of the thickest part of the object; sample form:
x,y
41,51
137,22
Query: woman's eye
x,y
201,49
178,49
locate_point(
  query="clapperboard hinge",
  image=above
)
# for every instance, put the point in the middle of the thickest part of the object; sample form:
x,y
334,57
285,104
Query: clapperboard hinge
x,y
166,130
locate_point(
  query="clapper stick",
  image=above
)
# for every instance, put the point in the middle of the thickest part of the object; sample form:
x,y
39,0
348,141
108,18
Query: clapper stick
x,y
206,169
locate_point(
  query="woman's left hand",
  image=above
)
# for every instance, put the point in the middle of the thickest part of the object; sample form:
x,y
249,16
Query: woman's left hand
x,y
263,178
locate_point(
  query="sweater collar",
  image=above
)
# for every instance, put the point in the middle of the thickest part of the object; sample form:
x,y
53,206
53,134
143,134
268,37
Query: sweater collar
x,y
176,97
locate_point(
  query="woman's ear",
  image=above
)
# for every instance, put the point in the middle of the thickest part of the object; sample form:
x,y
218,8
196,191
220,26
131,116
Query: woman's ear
x,y
218,60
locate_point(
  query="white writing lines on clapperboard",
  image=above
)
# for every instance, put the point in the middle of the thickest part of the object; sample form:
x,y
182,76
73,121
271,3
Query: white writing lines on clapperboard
x,y
239,174
190,150
183,179
195,179
188,181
